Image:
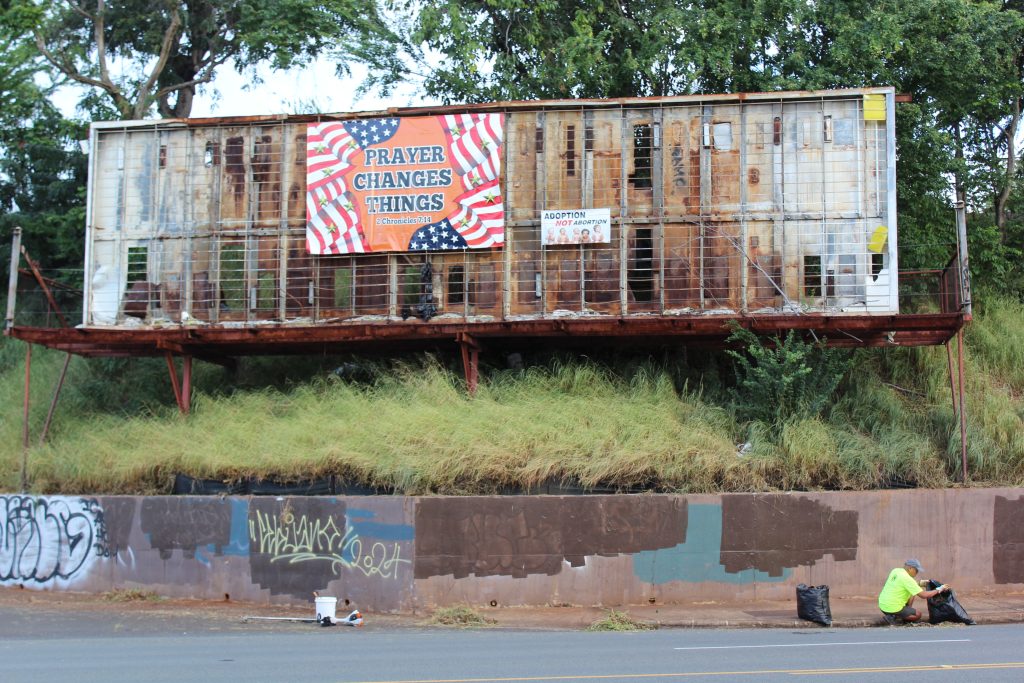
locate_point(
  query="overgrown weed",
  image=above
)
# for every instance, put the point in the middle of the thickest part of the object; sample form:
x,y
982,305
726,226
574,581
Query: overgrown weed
x,y
461,616
411,427
620,621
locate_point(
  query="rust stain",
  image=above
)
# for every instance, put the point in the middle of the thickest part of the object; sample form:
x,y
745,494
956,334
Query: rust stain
x,y
234,165
758,533
531,536
1008,540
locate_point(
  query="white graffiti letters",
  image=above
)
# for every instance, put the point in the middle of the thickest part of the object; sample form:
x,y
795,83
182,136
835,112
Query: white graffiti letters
x,y
48,540
294,540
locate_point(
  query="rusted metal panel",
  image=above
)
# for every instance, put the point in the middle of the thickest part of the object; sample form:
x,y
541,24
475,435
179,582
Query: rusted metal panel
x,y
682,266
601,278
484,284
520,174
604,155
236,176
722,138
681,161
643,268
563,160
639,149
527,280
764,268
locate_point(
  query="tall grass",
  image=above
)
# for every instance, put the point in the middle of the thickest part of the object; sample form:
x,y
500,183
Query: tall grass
x,y
412,428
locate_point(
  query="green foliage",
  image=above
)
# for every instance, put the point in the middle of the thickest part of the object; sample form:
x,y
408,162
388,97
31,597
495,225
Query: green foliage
x,y
42,172
783,378
168,48
954,137
995,265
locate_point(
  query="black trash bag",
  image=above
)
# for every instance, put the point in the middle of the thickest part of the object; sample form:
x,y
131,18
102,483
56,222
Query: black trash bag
x,y
812,604
945,607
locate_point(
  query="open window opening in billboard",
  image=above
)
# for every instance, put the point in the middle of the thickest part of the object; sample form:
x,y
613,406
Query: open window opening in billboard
x,y
429,183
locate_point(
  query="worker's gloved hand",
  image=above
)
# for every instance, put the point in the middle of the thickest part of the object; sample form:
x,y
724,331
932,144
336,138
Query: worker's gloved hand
x,y
943,588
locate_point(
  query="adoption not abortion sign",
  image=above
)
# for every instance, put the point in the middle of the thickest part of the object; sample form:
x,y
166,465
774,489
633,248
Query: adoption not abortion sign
x,y
576,226
428,183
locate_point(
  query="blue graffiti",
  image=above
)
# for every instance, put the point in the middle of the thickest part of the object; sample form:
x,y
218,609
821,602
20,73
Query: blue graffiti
x,y
239,539
698,559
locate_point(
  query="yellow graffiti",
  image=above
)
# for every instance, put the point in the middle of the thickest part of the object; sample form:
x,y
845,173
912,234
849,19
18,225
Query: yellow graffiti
x,y
295,540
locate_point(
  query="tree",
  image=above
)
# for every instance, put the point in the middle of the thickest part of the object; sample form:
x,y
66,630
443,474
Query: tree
x,y
146,53
42,171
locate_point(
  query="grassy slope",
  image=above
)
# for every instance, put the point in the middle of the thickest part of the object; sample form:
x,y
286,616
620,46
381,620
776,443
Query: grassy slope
x,y
414,429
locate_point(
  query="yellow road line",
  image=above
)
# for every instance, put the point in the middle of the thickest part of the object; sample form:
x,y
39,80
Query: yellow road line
x,y
690,674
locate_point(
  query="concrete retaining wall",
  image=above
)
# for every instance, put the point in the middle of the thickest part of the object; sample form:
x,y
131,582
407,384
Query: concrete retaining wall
x,y
395,554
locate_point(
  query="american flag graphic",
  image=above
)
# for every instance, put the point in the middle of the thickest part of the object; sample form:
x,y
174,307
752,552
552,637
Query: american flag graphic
x,y
337,218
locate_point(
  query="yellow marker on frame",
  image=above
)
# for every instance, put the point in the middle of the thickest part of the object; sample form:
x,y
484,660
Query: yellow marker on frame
x,y
874,107
878,239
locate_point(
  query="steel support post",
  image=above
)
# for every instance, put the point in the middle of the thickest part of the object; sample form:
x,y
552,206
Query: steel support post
x,y
963,404
175,387
53,402
470,360
24,420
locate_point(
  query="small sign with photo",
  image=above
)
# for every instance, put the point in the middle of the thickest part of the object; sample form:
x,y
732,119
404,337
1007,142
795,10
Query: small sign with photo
x,y
576,226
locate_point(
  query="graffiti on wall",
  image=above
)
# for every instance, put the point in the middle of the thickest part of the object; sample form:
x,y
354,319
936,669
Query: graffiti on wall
x,y
298,539
296,547
518,538
1008,540
49,541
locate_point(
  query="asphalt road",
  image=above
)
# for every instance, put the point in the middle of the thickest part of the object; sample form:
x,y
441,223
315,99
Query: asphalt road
x,y
302,652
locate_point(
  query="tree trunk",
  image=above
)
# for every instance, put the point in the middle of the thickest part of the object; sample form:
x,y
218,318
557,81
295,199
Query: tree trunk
x,y
1003,195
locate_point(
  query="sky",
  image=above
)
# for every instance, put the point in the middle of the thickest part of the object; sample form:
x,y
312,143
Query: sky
x,y
233,94
283,92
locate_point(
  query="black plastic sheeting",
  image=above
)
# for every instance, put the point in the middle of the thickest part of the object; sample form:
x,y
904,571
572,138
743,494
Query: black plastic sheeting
x,y
326,486
812,604
945,607
185,485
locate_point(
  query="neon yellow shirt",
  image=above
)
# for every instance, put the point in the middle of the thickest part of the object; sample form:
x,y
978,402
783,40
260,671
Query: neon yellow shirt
x,y
898,589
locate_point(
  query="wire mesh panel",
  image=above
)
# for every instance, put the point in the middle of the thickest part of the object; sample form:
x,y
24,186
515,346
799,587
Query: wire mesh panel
x,y
484,284
335,291
204,300
371,295
525,144
300,294
722,139
527,284
681,162
640,147
682,266
562,269
601,291
603,158
563,160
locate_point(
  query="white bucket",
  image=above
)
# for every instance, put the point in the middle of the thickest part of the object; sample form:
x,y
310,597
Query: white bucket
x,y
325,609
